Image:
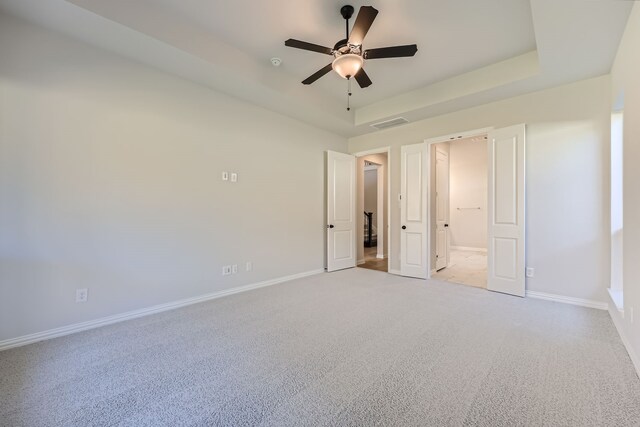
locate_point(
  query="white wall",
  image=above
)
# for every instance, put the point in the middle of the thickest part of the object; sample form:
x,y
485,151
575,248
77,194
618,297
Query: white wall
x,y
625,83
468,189
567,179
110,179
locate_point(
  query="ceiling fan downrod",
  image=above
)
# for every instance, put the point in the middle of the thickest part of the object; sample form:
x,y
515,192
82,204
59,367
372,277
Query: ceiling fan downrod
x,y
347,12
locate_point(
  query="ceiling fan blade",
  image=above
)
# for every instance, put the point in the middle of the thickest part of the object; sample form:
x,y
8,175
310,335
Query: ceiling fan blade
x,y
365,18
315,76
308,46
391,52
363,79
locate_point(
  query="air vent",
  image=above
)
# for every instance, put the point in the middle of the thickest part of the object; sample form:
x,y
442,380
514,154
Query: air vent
x,y
390,123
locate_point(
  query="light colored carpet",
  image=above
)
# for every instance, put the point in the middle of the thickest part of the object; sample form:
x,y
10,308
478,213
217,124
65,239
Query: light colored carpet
x,y
356,347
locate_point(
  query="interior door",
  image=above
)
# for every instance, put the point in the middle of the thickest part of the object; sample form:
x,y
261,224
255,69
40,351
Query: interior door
x,y
341,210
413,211
442,208
506,204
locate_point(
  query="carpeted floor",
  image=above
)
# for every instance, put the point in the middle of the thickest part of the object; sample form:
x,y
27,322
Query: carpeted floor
x,y
356,347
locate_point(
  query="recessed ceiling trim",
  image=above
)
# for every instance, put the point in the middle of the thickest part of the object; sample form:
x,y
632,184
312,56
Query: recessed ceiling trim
x,y
518,68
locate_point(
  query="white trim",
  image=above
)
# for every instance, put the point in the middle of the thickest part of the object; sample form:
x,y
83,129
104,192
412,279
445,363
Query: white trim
x,y
371,167
380,256
617,299
458,135
568,300
361,261
627,344
467,248
92,324
380,208
396,272
373,151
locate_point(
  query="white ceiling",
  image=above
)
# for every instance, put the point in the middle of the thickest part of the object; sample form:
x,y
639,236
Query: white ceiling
x,y
469,52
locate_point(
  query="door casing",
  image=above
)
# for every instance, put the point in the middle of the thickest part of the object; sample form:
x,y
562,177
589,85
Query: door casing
x,y
387,151
440,139
442,210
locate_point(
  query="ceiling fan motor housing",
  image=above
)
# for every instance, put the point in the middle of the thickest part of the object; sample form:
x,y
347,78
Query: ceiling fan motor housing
x,y
343,47
347,11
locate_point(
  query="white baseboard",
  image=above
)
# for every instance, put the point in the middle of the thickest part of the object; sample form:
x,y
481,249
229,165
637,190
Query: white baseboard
x,y
467,248
617,318
381,256
92,324
361,261
617,300
396,272
568,300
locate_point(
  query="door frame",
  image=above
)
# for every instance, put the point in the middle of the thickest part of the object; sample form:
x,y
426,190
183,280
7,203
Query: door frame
x,y
448,213
382,150
428,142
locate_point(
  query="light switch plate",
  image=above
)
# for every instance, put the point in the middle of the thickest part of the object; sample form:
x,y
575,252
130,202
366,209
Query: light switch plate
x,y
225,176
234,177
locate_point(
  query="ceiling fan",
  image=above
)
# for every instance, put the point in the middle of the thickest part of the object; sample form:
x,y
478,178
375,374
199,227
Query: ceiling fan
x,y
348,54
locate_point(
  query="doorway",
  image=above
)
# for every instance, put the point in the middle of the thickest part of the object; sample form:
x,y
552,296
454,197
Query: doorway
x,y
505,207
459,210
372,210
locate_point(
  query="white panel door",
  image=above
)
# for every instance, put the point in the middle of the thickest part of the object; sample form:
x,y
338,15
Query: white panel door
x,y
506,246
341,205
442,208
413,211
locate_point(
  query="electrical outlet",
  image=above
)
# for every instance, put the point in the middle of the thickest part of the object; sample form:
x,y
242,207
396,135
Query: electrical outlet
x,y
249,266
82,295
234,177
530,271
226,270
234,268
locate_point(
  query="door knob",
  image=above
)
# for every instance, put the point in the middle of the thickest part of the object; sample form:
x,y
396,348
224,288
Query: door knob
x,y
404,227
446,225
330,225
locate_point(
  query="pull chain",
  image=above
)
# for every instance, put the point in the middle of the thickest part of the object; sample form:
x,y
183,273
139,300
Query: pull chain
x,y
348,94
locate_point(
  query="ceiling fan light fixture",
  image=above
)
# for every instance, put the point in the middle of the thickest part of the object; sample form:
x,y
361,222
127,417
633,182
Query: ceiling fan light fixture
x,y
347,65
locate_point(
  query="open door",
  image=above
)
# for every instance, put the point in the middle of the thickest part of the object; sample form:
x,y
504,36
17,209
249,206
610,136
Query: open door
x,y
413,211
442,208
506,204
341,206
